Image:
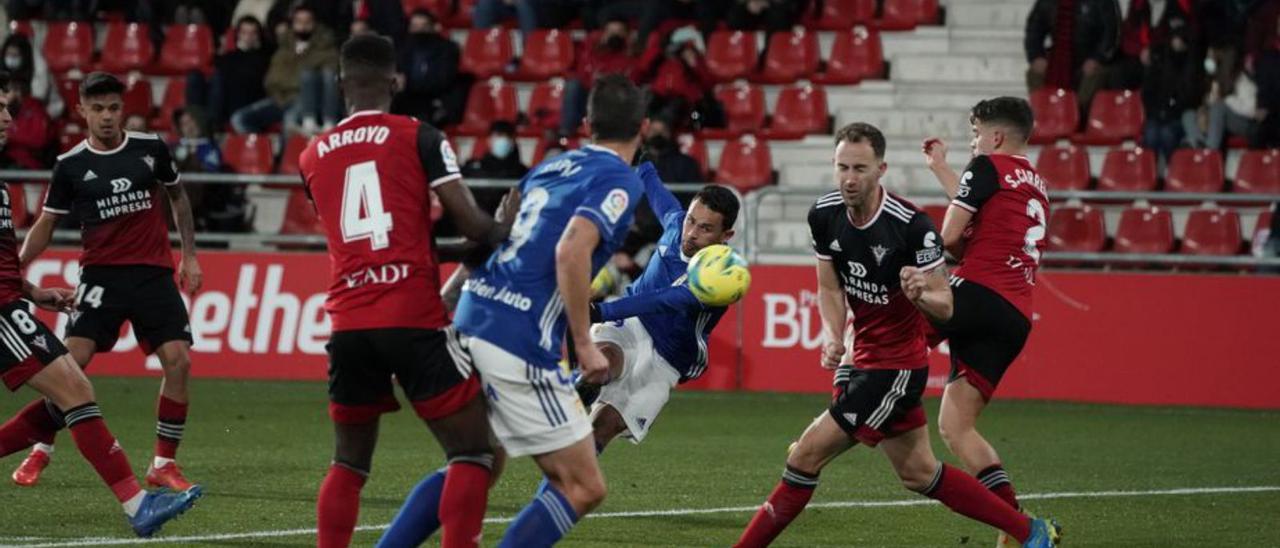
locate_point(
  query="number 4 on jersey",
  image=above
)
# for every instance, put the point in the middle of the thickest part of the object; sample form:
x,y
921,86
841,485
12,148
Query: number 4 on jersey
x,y
362,213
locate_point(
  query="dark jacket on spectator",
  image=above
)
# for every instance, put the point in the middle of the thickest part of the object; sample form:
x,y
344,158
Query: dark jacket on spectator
x,y
1096,32
386,17
1139,34
1222,22
285,72
1174,83
429,63
1261,27
673,166
493,167
240,74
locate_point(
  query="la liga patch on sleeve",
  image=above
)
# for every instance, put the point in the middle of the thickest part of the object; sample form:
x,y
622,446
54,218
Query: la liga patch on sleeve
x,y
450,159
615,204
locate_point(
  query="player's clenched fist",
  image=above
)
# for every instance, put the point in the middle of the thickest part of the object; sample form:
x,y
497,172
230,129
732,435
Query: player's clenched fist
x,y
935,152
913,282
192,276
595,367
832,352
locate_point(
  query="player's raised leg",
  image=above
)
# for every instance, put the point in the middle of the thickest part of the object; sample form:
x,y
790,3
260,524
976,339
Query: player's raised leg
x,y
41,436
171,415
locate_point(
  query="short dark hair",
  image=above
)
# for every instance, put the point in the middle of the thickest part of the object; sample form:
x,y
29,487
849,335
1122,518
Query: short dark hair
x,y
720,200
859,132
502,126
616,108
97,84
368,54
1014,112
424,12
4,81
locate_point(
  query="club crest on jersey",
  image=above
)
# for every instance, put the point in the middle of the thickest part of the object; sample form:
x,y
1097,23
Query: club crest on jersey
x,y
615,204
150,161
879,251
41,343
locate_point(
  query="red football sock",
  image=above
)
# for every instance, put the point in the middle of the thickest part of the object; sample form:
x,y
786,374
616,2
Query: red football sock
x,y
966,496
786,502
102,450
462,504
338,506
33,423
997,480
171,420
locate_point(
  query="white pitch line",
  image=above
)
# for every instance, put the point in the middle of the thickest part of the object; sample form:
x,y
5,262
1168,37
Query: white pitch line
x,y
109,541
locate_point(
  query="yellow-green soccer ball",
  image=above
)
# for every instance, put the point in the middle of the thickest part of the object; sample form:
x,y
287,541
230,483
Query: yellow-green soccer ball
x,y
718,275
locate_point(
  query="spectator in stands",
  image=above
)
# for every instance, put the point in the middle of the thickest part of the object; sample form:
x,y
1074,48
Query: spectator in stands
x,y
1222,24
1266,67
502,161
1069,43
657,13
137,123
428,65
1235,114
491,13
663,150
238,75
259,10
217,207
301,82
1150,25
1173,80
611,54
31,134
385,17
770,15
681,84
25,65
1261,29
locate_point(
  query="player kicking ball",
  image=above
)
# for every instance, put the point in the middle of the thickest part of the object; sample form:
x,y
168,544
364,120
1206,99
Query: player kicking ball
x,y
864,237
32,355
656,337
114,183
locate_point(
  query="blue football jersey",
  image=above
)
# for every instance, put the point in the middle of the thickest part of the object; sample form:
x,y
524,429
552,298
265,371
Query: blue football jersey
x,y
513,301
678,322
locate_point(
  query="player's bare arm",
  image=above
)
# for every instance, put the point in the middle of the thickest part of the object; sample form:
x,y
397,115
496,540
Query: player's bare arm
x,y
573,278
929,291
188,268
474,224
953,227
38,237
451,291
831,307
55,299
935,157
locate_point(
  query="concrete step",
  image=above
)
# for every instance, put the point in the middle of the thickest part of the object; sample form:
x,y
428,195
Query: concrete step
x,y
989,14
960,69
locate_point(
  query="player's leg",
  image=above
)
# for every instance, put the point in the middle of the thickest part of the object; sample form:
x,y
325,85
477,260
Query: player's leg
x,y
631,404
822,442
41,441
606,424
920,471
171,414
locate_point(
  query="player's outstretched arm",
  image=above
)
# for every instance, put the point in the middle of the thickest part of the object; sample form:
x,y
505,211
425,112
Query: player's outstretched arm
x,y
831,307
935,157
676,298
573,278
189,268
661,200
38,237
929,291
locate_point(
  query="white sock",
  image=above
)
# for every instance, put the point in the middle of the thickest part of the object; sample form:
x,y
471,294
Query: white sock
x,y
131,506
160,461
43,447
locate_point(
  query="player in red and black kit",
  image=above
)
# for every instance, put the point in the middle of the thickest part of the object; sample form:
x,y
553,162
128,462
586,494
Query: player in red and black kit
x,y
864,238
371,178
32,355
996,228
112,183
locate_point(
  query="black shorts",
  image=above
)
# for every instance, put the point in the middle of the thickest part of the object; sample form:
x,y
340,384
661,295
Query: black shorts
x,y
145,296
986,334
880,403
29,345
430,365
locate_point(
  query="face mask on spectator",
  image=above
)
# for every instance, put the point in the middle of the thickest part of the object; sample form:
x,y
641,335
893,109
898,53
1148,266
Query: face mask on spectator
x,y
13,62
659,143
501,146
302,35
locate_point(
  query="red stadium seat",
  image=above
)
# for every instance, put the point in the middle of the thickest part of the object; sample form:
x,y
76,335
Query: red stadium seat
x,y
461,17
547,53
856,55
68,45
540,150
1128,170
1258,172
69,89
127,47
907,14
1056,114
1212,232
1194,170
695,148
479,148
186,48
744,110
842,14
1144,230
488,101
745,164
1262,228
249,154
791,56
1077,228
175,97
731,54
137,98
544,107
289,157
1114,116
300,215
1064,167
800,110
486,52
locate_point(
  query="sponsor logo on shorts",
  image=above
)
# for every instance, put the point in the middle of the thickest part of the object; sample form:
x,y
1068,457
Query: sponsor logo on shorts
x,y
41,343
851,417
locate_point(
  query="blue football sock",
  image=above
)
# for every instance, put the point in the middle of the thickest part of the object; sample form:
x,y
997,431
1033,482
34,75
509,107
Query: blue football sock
x,y
418,517
543,522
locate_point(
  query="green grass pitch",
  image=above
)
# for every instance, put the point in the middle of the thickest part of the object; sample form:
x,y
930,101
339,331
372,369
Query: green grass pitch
x,y
261,449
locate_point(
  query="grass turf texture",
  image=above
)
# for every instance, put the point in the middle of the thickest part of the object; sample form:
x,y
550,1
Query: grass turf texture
x,y
261,449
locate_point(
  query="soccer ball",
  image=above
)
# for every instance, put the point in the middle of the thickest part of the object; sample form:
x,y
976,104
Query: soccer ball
x,y
718,275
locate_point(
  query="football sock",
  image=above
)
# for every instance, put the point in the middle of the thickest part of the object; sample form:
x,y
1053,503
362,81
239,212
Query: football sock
x,y
171,420
338,506
418,517
997,480
543,522
786,502
32,424
966,496
103,452
463,500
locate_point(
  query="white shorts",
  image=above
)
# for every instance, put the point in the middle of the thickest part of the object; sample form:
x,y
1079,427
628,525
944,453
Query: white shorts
x,y
532,410
646,381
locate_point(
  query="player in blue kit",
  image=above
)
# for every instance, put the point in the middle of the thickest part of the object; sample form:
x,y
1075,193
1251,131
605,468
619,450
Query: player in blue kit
x,y
656,336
